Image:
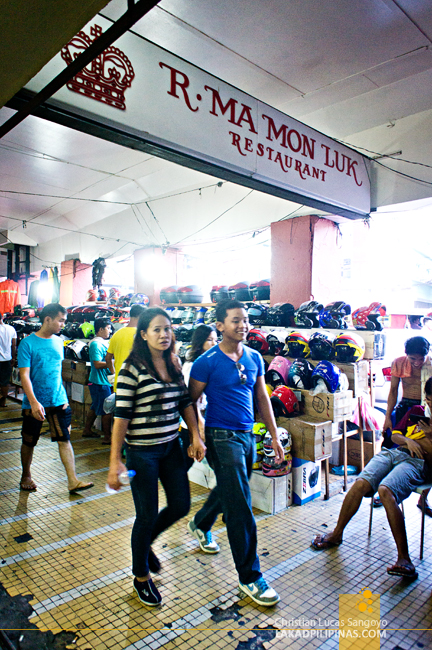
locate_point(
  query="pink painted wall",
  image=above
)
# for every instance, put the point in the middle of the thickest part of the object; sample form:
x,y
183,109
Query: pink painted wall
x,y
75,281
326,261
291,260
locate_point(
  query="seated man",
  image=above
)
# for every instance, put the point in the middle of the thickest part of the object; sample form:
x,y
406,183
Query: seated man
x,y
395,473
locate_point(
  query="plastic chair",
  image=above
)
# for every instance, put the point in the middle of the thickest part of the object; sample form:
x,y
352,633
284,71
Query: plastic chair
x,y
418,490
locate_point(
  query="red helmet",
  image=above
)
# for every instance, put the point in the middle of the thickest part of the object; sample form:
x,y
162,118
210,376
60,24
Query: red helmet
x,y
91,295
257,339
285,403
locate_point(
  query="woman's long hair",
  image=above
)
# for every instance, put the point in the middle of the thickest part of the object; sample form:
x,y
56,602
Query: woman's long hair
x,y
141,355
199,337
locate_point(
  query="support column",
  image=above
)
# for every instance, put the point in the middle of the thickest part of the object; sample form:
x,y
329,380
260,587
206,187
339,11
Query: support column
x,y
156,268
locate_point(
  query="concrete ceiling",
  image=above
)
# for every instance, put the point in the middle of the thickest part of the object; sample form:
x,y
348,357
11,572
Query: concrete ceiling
x,y
357,70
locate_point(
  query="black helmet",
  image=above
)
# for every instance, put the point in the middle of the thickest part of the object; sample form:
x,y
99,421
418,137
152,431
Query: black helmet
x,y
300,374
321,346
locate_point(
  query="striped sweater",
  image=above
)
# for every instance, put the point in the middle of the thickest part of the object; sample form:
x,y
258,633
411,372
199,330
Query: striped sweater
x,y
151,406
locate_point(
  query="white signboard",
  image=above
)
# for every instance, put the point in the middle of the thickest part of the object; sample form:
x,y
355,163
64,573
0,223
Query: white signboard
x,y
172,103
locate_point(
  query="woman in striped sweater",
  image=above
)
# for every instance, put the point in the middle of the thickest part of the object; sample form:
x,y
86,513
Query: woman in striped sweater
x,y
150,397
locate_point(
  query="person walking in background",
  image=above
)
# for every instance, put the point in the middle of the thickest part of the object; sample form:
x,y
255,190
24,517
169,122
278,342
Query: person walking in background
x,y
203,338
151,396
40,357
99,384
232,375
121,343
7,355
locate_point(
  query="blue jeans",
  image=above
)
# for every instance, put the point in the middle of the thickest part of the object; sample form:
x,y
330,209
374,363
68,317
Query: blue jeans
x,y
165,462
231,455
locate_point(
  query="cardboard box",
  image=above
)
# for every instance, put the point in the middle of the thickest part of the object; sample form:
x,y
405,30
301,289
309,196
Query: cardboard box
x,y
270,494
306,481
80,393
79,412
76,371
329,406
357,374
311,439
354,455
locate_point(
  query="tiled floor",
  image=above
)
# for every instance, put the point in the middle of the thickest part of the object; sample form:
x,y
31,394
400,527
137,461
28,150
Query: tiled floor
x,y
76,565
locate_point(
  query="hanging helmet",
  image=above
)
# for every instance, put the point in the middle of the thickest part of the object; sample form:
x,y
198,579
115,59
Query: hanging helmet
x,y
277,372
140,299
321,346
300,374
349,348
256,339
257,314
285,403
210,316
91,295
334,315
87,330
200,315
184,333
102,295
329,373
276,346
259,430
189,315
297,345
307,314
281,315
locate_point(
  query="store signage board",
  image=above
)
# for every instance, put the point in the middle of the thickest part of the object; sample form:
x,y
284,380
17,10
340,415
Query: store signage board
x,y
174,104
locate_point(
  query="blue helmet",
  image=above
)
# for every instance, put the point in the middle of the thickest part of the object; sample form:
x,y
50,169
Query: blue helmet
x,y
329,373
321,346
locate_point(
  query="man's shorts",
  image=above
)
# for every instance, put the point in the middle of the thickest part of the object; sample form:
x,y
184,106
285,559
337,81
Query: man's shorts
x,y
395,469
98,394
5,372
59,419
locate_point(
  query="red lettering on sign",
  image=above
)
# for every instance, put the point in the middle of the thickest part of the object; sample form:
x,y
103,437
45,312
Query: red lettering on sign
x,y
181,84
260,149
230,105
248,144
272,130
236,142
350,168
327,157
246,116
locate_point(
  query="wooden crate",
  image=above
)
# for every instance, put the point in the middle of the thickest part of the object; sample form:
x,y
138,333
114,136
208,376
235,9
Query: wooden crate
x,y
330,406
311,439
79,411
77,371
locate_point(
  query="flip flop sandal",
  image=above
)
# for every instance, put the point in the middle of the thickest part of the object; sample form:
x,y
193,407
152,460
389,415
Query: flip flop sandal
x,y
78,488
402,572
319,543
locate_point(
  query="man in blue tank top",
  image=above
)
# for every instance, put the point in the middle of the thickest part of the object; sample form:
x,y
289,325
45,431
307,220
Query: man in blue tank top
x,y
40,357
231,375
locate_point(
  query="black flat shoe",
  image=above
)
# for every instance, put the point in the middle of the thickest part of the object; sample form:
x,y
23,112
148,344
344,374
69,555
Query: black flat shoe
x,y
153,562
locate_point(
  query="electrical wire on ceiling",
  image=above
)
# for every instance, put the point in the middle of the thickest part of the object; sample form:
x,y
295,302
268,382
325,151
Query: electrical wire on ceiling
x,y
376,153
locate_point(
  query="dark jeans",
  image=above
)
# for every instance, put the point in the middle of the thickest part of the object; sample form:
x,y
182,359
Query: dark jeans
x,y
165,462
231,455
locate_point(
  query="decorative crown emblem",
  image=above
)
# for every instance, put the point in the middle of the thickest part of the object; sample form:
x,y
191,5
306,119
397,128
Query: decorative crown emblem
x,y
106,78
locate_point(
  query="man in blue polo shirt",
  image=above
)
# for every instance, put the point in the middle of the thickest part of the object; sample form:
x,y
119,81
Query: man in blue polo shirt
x,y
231,375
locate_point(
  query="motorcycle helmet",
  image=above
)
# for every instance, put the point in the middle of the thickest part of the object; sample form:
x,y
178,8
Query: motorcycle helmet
x,y
276,346
307,314
257,314
256,339
140,299
177,315
200,315
91,295
210,316
189,315
102,295
297,345
369,318
77,350
277,372
272,469
313,476
329,373
300,375
184,333
284,439
281,315
349,348
183,351
284,402
72,330
333,315
87,330
114,293
258,431
321,346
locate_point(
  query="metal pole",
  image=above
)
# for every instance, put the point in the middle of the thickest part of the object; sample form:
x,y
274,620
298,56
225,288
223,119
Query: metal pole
x,y
132,15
